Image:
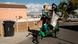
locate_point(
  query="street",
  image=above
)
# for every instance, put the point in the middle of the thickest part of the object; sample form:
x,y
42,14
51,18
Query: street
x,y
67,35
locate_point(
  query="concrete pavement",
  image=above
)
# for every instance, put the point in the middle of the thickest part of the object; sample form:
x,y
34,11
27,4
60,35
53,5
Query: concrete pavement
x,y
18,37
65,36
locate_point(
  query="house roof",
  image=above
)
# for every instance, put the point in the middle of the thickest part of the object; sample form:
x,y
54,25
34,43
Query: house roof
x,y
12,6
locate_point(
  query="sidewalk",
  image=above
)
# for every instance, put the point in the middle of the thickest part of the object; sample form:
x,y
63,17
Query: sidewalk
x,y
18,36
65,36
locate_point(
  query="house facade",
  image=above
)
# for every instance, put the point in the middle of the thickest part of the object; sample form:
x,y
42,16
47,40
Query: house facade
x,y
12,11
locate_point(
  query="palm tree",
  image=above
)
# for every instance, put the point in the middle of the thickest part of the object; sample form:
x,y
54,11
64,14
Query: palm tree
x,y
63,7
68,8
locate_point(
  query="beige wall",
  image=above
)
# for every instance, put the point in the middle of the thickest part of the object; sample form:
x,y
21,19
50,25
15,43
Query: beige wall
x,y
1,29
12,13
23,26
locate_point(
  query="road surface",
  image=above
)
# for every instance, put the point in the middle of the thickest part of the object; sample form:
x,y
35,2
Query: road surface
x,y
67,35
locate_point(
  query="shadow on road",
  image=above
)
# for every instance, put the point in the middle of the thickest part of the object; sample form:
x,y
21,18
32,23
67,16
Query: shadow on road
x,y
71,27
26,41
65,41
51,41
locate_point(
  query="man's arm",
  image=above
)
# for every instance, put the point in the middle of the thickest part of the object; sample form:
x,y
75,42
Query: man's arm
x,y
39,21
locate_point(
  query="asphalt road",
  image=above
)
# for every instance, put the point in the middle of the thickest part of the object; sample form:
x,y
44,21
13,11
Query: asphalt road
x,y
67,35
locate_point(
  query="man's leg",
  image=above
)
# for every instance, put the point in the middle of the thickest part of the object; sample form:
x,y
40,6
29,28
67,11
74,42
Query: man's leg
x,y
54,32
33,40
36,39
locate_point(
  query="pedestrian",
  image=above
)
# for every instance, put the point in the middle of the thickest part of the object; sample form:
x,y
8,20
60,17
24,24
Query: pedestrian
x,y
54,20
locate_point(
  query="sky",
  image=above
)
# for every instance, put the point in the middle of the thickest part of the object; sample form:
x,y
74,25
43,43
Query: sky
x,y
32,1
33,5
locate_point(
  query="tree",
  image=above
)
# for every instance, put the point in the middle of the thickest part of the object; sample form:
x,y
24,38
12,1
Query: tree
x,y
63,8
68,8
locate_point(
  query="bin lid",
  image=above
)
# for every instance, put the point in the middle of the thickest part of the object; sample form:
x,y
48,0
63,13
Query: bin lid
x,y
9,22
